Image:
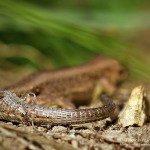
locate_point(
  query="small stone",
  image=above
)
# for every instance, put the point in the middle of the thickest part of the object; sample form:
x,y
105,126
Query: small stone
x,y
9,123
134,112
41,129
74,143
59,129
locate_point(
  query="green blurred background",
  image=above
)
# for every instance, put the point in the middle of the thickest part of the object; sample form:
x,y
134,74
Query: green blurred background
x,y
37,35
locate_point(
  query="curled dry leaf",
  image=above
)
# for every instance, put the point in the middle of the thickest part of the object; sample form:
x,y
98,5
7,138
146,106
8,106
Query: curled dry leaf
x,y
134,112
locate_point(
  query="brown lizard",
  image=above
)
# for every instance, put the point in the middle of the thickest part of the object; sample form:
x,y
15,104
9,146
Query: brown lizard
x,y
15,109
71,84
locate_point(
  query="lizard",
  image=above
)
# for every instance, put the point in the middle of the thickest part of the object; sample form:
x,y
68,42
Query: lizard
x,y
67,86
73,84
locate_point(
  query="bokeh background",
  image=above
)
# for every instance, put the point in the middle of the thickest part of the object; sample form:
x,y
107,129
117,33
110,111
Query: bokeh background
x,y
36,35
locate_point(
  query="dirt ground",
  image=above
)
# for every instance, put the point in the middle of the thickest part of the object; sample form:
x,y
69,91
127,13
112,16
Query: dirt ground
x,y
99,135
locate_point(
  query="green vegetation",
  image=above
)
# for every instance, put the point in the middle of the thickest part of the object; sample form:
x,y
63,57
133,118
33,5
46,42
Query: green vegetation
x,y
68,33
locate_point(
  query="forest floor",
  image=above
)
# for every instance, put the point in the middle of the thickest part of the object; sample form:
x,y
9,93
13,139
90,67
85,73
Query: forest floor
x,y
105,134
